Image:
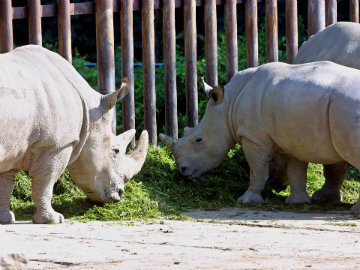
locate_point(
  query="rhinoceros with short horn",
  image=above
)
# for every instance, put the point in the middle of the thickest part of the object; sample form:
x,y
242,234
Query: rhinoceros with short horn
x,y
308,113
50,119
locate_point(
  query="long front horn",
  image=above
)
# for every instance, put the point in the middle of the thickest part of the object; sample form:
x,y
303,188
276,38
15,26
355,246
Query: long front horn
x,y
137,157
168,141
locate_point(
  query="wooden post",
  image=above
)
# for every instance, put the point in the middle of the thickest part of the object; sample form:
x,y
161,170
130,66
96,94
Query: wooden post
x,y
231,38
211,43
127,64
190,62
291,30
35,12
6,27
271,31
148,56
331,11
171,119
316,16
354,11
64,29
252,58
105,49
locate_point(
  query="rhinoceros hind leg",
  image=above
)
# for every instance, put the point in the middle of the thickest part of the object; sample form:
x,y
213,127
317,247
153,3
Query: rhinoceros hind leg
x,y
355,209
296,171
334,177
6,184
45,171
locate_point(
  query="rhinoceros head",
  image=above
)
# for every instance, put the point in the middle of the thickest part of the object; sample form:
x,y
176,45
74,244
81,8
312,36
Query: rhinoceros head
x,y
103,166
203,147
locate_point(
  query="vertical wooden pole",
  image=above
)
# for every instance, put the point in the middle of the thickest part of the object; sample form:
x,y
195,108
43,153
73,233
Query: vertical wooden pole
x,y
354,11
171,120
105,49
148,56
211,43
291,30
231,38
64,29
127,63
331,11
35,13
190,62
316,16
252,58
6,27
271,31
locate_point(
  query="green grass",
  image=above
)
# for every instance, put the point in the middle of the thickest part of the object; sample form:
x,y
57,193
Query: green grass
x,y
159,191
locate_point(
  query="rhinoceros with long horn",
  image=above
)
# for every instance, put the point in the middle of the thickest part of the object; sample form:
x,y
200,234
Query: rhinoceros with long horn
x,y
50,119
306,113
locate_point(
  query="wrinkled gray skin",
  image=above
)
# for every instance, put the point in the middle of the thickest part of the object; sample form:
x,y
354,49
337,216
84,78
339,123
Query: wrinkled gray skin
x,y
50,119
306,113
338,43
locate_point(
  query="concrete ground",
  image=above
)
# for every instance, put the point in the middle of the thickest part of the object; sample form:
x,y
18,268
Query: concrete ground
x,y
232,238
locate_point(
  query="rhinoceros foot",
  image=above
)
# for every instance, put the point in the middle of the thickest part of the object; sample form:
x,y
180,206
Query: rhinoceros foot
x,y
48,217
356,208
250,197
326,195
7,217
298,198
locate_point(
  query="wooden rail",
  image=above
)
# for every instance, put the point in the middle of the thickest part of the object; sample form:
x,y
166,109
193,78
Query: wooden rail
x,y
320,13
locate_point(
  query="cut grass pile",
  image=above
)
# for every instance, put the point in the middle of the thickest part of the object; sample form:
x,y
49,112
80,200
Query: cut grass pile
x,y
159,191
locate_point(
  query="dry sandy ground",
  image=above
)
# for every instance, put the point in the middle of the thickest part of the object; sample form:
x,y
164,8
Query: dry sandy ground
x,y
234,238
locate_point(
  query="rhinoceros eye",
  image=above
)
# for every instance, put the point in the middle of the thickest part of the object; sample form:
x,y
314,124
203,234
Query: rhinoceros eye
x,y
198,140
116,151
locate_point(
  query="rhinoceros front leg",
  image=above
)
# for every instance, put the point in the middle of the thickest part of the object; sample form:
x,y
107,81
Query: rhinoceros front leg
x,y
258,158
45,171
296,171
6,184
334,177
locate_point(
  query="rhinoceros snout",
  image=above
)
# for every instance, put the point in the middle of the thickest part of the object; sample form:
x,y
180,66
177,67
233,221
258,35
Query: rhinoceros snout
x,y
116,196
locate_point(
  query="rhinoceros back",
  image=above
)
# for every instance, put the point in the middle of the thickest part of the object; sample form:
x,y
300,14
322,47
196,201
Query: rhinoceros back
x,y
40,104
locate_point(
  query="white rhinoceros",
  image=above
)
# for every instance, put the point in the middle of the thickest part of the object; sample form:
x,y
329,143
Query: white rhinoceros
x,y
308,113
50,119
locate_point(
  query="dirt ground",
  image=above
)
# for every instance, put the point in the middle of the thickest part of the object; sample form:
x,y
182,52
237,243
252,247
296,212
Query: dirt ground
x,y
232,238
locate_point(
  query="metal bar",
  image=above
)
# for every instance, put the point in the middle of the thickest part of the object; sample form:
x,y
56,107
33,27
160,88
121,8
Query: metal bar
x,y
231,38
6,27
291,30
211,43
64,29
35,13
354,11
331,12
105,49
271,31
171,120
252,58
316,16
190,63
148,57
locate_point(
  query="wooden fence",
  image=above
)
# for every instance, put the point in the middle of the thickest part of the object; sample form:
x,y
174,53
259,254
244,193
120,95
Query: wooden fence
x,y
320,14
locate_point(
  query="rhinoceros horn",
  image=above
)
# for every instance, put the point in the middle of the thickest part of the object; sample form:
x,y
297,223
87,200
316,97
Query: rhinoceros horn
x,y
207,87
137,157
168,141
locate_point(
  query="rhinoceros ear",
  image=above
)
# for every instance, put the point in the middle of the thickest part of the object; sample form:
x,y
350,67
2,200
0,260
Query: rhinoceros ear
x,y
207,87
217,95
110,100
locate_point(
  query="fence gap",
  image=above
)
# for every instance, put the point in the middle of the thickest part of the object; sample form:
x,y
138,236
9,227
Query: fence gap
x,y
64,29
291,30
252,58
331,12
231,38
271,31
6,29
211,55
316,16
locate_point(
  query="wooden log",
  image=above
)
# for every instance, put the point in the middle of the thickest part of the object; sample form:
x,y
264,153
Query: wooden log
x,y
354,11
148,57
316,16
64,29
105,49
330,11
35,13
252,58
190,62
171,120
6,26
211,43
271,31
231,38
291,30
